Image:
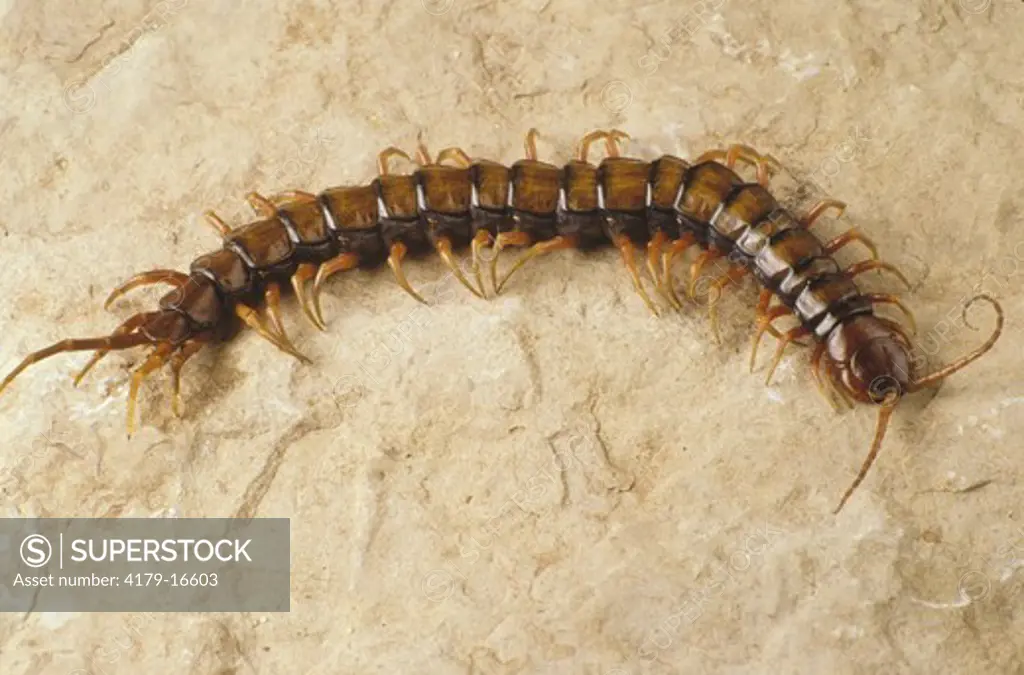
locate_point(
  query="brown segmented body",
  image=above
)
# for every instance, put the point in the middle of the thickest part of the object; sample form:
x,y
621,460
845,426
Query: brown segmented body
x,y
666,205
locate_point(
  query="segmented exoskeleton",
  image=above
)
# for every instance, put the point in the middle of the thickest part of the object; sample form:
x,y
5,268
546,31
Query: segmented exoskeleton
x,y
667,206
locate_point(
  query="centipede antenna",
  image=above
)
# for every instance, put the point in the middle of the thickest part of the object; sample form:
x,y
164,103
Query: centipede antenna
x,y
444,249
109,342
169,277
884,415
398,253
964,361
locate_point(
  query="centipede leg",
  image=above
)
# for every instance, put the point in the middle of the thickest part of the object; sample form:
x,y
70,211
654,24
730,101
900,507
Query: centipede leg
x,y
626,248
279,198
698,265
127,327
667,258
384,159
820,208
654,248
611,142
458,156
559,243
223,229
303,274
765,165
530,144
480,239
169,277
251,318
764,324
735,273
869,265
157,358
340,263
513,238
819,351
443,246
886,298
260,205
787,337
851,236
184,353
395,258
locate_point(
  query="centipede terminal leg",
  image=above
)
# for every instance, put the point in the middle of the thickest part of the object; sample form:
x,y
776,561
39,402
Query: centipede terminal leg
x,y
161,276
559,243
443,246
304,274
156,359
395,257
851,236
818,209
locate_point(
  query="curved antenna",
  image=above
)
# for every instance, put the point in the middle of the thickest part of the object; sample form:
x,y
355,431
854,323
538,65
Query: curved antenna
x,y
962,362
884,414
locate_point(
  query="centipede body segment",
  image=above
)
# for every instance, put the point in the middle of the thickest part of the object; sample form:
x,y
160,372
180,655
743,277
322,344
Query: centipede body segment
x,y
656,210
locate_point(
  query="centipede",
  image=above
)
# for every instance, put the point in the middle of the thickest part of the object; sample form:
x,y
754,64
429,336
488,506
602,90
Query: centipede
x,y
651,210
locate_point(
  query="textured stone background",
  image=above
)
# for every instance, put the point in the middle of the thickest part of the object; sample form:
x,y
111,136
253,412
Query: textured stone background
x,y
550,482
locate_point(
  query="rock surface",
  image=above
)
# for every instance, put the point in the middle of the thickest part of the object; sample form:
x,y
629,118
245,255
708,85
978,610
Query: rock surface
x,y
549,482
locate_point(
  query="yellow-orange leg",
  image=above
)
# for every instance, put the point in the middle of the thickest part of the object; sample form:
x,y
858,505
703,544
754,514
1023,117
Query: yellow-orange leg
x,y
395,258
272,298
127,327
735,273
530,144
385,156
819,351
457,156
513,238
217,223
698,265
559,243
787,337
252,319
868,265
676,248
169,277
260,205
886,298
444,249
763,302
626,248
765,165
157,358
820,208
184,353
764,324
611,139
303,274
851,236
340,263
654,248
480,239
